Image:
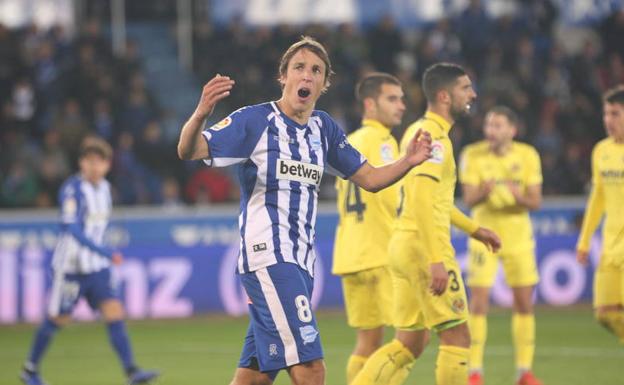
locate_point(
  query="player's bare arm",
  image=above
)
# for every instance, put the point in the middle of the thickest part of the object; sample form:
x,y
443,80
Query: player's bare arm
x,y
191,145
530,199
373,179
473,195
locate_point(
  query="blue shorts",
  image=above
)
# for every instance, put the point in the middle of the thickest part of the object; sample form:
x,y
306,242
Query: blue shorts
x,y
68,288
282,329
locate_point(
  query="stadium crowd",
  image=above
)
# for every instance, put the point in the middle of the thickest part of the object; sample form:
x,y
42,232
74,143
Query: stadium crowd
x,y
55,89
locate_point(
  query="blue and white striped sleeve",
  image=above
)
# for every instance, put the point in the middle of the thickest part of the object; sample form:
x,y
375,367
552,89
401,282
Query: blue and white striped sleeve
x,y
233,139
342,159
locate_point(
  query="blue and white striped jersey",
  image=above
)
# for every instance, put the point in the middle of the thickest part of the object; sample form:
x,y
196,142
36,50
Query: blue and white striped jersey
x,y
85,210
281,165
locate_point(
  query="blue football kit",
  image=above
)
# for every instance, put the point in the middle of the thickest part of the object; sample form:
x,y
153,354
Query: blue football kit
x,y
280,166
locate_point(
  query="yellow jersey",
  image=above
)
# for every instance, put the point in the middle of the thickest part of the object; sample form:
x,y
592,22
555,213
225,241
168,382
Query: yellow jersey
x,y
606,198
366,219
435,231
500,212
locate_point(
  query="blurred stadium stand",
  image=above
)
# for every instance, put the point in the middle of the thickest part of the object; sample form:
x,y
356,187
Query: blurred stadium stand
x,y
61,77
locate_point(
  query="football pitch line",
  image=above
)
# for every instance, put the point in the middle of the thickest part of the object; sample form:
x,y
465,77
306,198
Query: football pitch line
x,y
338,350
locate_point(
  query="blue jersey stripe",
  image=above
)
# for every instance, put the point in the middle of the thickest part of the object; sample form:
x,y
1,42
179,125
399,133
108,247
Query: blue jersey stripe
x,y
295,194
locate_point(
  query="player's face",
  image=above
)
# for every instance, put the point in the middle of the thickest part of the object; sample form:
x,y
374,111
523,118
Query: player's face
x,y
304,80
613,117
94,167
498,130
389,107
462,97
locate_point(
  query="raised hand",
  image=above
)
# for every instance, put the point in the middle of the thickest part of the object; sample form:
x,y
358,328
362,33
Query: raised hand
x,y
419,148
216,89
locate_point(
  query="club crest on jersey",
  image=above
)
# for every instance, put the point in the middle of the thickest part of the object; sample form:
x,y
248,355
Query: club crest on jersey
x,y
299,171
308,334
386,153
458,305
437,152
222,124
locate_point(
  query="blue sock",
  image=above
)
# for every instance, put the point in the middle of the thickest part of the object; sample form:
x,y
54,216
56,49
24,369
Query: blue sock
x,y
41,342
119,339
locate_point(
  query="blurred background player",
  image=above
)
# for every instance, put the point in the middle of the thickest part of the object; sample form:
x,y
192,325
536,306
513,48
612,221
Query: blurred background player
x,y
606,198
501,181
428,291
82,265
284,147
366,220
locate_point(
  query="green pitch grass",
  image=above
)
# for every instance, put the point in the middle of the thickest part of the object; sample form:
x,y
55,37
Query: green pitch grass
x,y
571,350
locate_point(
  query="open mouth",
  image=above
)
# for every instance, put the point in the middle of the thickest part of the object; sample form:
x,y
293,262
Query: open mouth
x,y
303,92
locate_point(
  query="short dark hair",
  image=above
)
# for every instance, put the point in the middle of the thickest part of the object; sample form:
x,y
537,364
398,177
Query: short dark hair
x,y
614,95
507,112
440,76
370,85
96,145
309,43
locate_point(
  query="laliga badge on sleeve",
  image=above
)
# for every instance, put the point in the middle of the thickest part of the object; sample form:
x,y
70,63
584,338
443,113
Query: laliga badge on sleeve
x,y
222,124
437,152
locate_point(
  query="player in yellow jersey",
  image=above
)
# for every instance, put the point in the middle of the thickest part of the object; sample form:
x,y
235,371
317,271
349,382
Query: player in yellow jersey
x,y
606,198
366,220
428,290
501,181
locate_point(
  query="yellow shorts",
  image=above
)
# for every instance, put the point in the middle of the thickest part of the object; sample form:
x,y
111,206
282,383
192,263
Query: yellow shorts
x,y
414,305
519,266
368,298
608,284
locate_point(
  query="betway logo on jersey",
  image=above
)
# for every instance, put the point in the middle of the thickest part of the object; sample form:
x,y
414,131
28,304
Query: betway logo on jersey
x,y
299,172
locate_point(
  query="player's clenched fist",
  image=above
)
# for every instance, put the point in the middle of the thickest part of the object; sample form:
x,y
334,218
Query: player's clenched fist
x,y
216,89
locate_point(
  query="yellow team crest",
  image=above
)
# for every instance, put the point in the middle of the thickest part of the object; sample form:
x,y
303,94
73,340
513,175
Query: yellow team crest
x,y
458,305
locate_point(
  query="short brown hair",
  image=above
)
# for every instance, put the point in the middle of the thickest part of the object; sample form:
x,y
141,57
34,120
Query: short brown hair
x,y
507,112
614,95
309,43
440,76
370,85
96,145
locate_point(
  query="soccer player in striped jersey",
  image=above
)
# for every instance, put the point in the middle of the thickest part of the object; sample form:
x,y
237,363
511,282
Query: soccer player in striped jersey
x,y
501,181
82,265
606,199
366,220
427,284
283,148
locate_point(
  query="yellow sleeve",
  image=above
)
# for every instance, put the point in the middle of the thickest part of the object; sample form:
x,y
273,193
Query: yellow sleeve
x,y
534,176
468,173
463,222
427,190
595,207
